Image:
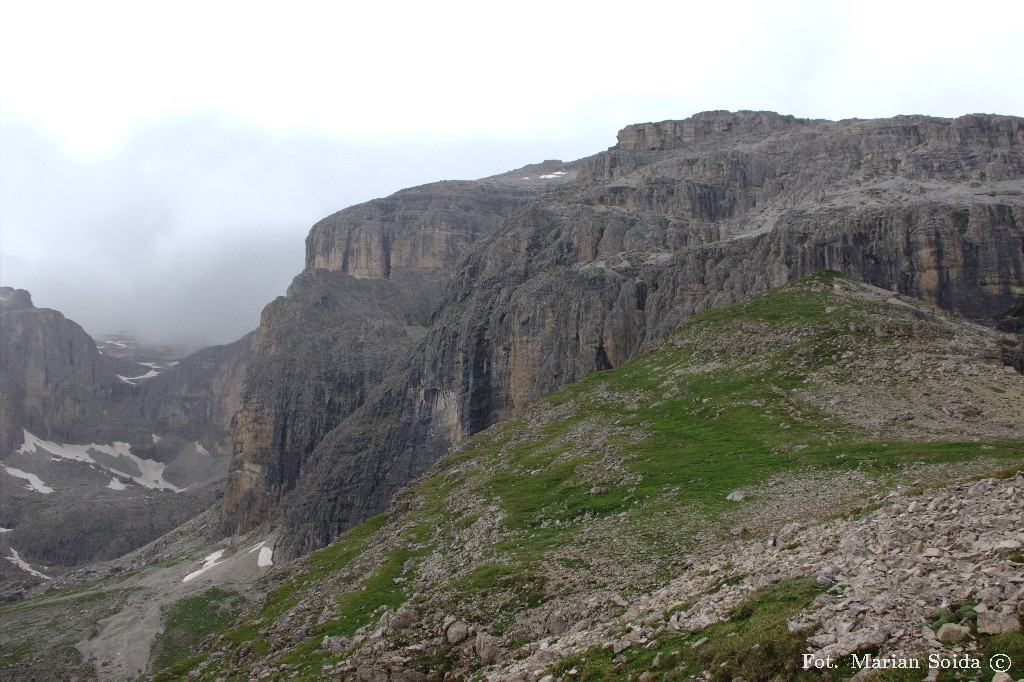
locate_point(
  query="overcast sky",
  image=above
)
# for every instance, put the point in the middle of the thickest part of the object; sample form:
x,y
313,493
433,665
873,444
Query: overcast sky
x,y
161,163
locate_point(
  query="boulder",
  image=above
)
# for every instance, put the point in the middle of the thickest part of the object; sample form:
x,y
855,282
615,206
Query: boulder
x,y
993,623
950,633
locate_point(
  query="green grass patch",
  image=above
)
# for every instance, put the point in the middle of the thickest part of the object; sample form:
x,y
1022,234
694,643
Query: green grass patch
x,y
357,608
187,622
753,643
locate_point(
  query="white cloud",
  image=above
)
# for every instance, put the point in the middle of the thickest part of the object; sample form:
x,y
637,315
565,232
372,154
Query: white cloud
x,y
155,154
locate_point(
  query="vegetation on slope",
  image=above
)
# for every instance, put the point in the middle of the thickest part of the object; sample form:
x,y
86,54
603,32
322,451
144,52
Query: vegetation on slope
x,y
807,400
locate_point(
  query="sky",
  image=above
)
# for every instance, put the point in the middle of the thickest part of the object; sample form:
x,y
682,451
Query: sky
x,y
161,163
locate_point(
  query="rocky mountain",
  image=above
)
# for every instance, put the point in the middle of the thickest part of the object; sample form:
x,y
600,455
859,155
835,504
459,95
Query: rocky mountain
x,y
587,420
54,380
375,273
787,475
826,470
102,450
550,275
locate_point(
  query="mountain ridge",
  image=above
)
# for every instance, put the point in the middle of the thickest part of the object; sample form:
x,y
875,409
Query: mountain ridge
x,y
677,218
749,456
100,452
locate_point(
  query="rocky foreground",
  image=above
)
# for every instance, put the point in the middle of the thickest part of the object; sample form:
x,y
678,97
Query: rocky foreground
x,y
726,507
888,574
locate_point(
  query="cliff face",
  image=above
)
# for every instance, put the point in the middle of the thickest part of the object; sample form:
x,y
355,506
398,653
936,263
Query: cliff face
x,y
54,380
94,464
57,385
374,276
678,217
196,398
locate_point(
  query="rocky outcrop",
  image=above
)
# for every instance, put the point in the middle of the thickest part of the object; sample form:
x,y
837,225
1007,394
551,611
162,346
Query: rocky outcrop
x,y
375,274
678,217
55,383
98,457
196,398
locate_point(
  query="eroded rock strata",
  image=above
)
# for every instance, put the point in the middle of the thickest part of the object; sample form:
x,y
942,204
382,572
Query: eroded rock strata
x,y
546,283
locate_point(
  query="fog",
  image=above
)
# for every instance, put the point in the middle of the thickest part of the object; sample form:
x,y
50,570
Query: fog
x,y
160,166
185,231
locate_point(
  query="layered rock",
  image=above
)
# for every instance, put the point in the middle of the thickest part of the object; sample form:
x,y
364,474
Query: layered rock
x,y
55,383
678,217
94,464
196,398
374,276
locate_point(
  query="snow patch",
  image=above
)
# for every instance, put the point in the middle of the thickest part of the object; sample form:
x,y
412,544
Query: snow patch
x,y
201,450
23,565
131,380
34,482
266,555
156,438
6,530
209,562
556,174
152,472
116,485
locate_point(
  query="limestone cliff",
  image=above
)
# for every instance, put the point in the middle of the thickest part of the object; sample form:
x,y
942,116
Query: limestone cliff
x,y
97,457
196,398
374,276
678,217
54,380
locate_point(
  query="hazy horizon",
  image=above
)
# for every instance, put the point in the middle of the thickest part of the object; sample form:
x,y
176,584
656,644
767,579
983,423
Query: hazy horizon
x,y
167,261
159,170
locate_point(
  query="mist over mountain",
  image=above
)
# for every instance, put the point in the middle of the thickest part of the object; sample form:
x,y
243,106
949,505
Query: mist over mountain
x,y
184,232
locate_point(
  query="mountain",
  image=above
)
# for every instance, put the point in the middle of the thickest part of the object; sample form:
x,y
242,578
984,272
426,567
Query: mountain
x,y
582,266
102,451
778,470
725,384
795,473
53,377
375,274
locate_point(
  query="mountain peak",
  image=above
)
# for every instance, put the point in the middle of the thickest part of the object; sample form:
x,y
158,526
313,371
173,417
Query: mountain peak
x,y
15,299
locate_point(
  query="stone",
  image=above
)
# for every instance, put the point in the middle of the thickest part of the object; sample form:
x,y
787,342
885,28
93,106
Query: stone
x,y
336,645
456,632
488,648
556,623
735,496
404,617
994,623
950,633
859,640
822,640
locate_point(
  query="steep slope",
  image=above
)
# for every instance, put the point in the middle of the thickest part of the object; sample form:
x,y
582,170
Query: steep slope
x,y
713,488
101,454
678,217
196,397
374,276
54,380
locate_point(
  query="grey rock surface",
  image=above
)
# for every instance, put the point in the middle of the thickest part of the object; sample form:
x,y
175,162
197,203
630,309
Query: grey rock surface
x,y
678,217
74,416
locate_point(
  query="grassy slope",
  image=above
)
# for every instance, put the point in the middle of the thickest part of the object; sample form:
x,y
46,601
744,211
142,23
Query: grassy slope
x,y
39,635
605,486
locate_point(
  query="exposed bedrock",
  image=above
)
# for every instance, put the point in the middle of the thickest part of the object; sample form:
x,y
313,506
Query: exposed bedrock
x,y
678,217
